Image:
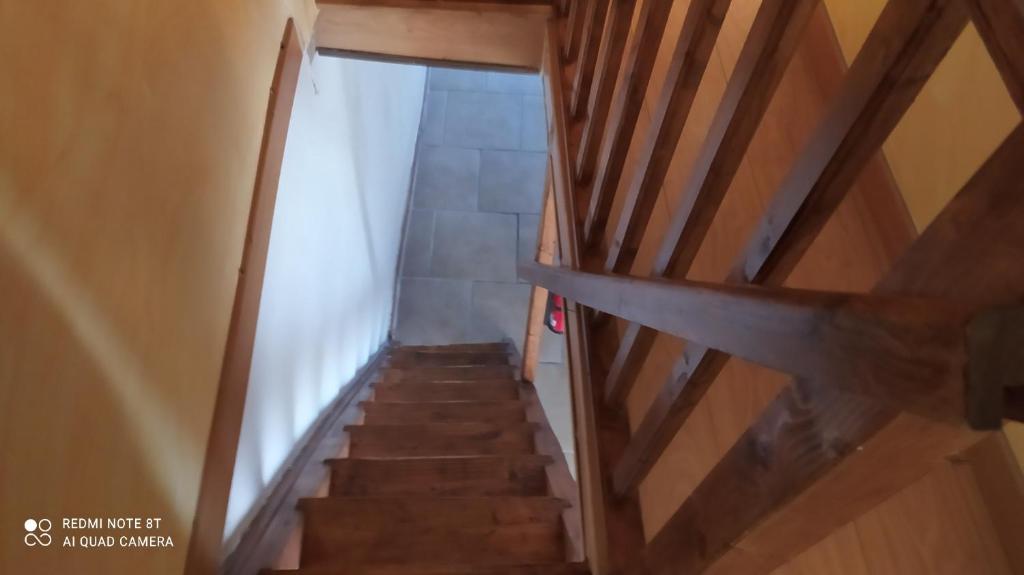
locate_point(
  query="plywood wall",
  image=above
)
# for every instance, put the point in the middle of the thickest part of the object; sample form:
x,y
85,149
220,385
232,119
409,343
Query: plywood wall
x,y
938,524
130,137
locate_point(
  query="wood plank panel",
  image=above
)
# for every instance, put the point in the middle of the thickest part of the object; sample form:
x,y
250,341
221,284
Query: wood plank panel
x,y
609,60
896,350
906,45
840,452
501,39
626,103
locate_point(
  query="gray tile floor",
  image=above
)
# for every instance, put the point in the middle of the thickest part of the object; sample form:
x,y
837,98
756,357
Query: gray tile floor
x,y
476,199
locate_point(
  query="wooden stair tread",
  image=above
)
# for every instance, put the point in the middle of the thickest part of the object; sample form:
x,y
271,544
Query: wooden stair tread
x,y
501,544
470,475
440,439
493,411
414,359
450,569
418,512
448,373
424,391
456,348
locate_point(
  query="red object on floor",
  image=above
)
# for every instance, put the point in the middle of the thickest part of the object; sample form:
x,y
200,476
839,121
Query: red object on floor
x,y
554,314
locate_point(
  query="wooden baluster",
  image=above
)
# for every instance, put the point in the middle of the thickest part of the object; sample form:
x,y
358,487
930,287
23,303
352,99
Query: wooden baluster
x,y
880,86
613,532
794,476
574,29
773,38
597,10
626,104
613,44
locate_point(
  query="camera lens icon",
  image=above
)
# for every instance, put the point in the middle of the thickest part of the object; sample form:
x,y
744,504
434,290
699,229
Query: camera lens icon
x,y
43,537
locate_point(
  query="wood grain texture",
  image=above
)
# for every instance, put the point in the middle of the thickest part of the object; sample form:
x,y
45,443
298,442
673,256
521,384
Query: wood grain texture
x,y
487,38
815,448
204,547
626,102
560,482
440,439
513,6
439,411
896,350
522,475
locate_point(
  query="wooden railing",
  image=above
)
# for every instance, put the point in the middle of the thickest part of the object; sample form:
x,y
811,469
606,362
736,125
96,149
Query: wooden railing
x,y
938,337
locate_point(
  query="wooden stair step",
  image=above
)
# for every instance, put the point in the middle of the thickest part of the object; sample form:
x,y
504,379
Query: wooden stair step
x,y
440,439
448,373
515,543
479,475
417,359
456,348
494,390
510,411
336,514
449,569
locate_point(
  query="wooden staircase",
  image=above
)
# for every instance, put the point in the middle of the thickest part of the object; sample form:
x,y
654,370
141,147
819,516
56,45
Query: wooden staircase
x,y
443,476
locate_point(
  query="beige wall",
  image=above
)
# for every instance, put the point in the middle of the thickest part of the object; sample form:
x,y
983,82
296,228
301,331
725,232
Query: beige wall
x,y
130,137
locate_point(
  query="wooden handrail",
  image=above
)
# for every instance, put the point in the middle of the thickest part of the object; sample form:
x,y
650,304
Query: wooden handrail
x,y
898,350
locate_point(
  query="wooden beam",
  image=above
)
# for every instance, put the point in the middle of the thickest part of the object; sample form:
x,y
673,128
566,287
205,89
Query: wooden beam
x,y
1001,25
818,458
626,104
510,38
204,546
609,60
540,6
774,36
907,43
686,69
583,79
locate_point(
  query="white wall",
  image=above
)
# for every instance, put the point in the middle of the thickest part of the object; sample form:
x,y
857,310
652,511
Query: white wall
x,y
334,245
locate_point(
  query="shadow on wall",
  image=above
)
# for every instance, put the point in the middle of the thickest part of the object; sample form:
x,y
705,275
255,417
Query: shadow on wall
x,y
333,255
